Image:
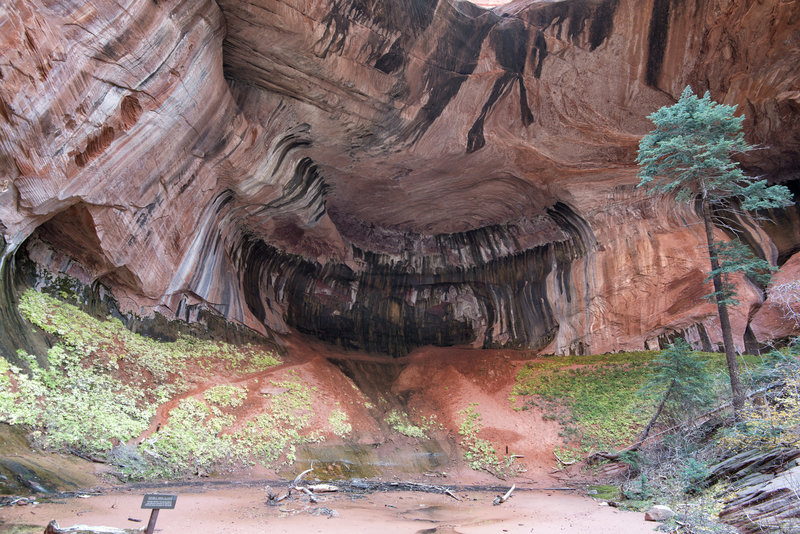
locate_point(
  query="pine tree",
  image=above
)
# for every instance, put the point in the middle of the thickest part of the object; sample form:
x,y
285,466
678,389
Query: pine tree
x,y
686,382
686,378
688,154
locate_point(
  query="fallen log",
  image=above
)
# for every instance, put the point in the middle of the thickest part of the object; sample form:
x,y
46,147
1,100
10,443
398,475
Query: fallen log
x,y
323,488
653,420
606,455
53,528
428,488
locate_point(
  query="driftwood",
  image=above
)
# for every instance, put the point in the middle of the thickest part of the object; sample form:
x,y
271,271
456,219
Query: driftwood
x,y
501,499
295,486
450,494
415,486
53,528
309,490
369,486
299,477
273,498
311,497
323,488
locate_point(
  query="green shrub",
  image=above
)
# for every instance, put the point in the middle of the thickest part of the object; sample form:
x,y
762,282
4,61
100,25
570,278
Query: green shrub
x,y
685,378
693,472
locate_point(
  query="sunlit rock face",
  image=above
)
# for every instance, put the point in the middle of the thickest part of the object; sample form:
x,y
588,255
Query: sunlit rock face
x,y
387,174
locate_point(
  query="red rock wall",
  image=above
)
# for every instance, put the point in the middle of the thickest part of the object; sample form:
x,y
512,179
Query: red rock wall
x,y
370,170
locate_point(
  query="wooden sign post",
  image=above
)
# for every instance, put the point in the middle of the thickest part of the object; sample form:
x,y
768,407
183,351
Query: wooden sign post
x,y
156,502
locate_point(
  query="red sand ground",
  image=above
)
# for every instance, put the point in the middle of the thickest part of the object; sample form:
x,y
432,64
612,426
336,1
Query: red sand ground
x,y
240,511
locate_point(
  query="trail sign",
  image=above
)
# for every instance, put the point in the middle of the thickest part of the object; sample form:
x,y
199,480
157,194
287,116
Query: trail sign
x,y
156,502
159,501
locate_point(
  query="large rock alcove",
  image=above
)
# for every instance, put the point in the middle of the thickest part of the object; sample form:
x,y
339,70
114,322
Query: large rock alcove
x,y
386,175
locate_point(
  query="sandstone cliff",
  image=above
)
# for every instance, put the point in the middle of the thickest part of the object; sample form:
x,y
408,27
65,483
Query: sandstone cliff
x,y
386,174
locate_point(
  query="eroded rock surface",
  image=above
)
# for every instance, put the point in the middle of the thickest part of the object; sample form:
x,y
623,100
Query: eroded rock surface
x,y
387,174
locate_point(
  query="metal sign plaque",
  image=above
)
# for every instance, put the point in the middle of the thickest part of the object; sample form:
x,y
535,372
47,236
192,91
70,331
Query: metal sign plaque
x,y
159,501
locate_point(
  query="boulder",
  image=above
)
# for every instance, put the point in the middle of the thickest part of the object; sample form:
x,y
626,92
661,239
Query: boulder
x,y
766,505
659,513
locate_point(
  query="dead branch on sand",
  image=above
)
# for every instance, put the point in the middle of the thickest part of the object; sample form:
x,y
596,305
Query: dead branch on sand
x,y
501,499
561,461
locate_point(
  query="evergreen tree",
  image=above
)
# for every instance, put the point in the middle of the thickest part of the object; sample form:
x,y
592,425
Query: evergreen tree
x,y
688,154
736,257
686,378
686,382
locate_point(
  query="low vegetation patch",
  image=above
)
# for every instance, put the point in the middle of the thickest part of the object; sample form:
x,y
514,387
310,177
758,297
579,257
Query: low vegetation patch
x,y
201,435
284,425
70,407
108,339
100,385
602,401
596,399
337,419
400,422
681,467
479,453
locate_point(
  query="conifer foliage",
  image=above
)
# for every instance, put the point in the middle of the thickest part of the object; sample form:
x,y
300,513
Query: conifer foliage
x,y
688,154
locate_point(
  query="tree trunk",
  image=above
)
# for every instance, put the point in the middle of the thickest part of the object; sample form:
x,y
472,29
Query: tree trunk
x,y
724,319
646,430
